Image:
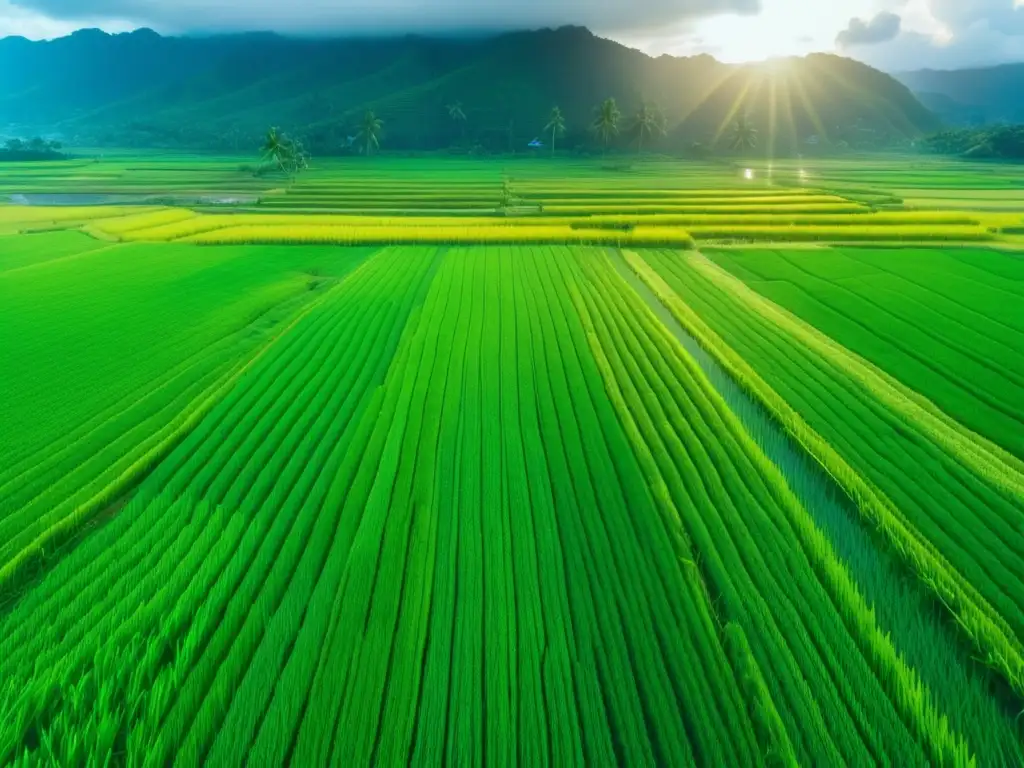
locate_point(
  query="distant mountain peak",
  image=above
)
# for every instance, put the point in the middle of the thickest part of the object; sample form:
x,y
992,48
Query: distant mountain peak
x,y
89,33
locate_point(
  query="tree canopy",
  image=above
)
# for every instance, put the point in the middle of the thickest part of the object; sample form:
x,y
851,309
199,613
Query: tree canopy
x,y
606,121
369,132
1004,142
647,122
743,136
284,153
36,148
555,126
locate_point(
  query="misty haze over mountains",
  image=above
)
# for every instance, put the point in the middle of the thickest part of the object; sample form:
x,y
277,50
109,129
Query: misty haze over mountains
x,y
971,96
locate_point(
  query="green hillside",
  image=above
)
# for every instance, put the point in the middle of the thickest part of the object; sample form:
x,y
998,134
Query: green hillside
x,y
141,89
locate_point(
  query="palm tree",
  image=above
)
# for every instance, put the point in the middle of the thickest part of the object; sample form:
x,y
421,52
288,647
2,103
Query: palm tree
x,y
556,124
369,132
299,159
457,115
276,147
646,122
744,134
606,122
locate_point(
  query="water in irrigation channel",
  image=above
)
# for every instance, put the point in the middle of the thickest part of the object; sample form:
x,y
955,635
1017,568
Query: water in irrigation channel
x,y
979,706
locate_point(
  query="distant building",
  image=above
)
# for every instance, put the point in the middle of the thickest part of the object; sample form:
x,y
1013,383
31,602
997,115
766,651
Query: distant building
x,y
536,144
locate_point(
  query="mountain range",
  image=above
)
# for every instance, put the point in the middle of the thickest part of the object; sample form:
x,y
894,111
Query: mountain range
x,y
144,89
971,96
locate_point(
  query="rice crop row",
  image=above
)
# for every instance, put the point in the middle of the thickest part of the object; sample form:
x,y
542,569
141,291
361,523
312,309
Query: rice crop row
x,y
958,348
641,231
373,599
396,190
263,465
181,225
842,233
675,412
141,228
211,222
476,506
139,220
565,712
338,199
76,428
363,203
699,208
18,252
441,235
402,181
863,218
590,191
948,521
738,198
20,214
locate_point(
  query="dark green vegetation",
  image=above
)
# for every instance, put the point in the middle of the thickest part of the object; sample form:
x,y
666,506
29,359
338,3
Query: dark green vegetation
x,y
997,142
282,153
33,150
141,89
485,493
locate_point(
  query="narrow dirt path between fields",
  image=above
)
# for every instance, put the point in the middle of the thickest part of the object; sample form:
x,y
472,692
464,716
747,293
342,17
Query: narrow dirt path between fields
x,y
921,632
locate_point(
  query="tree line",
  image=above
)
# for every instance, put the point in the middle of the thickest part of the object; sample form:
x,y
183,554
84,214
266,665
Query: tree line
x,y
1001,142
285,154
37,148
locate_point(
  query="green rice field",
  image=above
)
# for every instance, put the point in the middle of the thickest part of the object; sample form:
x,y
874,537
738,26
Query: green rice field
x,y
435,461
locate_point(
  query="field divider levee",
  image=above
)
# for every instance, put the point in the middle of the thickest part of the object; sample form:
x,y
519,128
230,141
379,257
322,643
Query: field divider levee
x,y
986,628
67,526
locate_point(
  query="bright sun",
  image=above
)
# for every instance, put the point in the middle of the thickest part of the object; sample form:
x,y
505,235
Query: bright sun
x,y
782,28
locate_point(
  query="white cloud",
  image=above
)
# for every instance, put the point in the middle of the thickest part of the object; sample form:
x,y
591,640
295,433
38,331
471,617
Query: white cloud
x,y
388,15
782,28
17,20
976,46
26,23
952,34
933,33
885,26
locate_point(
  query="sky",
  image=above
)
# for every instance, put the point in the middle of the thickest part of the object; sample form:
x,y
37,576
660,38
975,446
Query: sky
x,y
894,35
